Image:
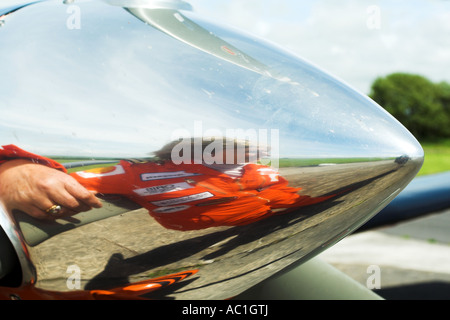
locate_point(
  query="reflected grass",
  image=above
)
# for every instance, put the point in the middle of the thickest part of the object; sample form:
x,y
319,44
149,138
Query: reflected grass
x,y
86,166
283,162
437,159
306,162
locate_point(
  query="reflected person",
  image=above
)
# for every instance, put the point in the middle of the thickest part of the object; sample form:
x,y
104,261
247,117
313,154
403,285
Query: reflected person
x,y
195,195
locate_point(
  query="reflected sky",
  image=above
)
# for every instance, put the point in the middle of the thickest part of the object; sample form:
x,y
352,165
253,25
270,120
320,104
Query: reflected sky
x,y
118,87
367,38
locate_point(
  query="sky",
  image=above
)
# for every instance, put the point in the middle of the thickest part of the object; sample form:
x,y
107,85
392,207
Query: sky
x,y
355,40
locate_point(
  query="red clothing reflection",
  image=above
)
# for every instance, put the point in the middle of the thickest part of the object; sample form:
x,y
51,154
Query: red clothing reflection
x,y
11,152
188,197
194,196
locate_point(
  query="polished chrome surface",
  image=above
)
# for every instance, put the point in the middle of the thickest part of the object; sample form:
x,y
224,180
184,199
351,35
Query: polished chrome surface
x,y
151,4
91,80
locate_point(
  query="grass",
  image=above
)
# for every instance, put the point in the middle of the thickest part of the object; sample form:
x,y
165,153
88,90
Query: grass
x,y
437,157
85,167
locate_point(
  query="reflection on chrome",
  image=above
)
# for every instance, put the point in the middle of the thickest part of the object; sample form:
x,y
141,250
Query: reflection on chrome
x,y
287,160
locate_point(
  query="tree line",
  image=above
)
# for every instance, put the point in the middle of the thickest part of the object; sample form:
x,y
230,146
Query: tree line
x,y
421,105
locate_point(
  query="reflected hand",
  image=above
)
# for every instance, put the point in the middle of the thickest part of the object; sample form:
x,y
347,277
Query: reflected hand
x,y
34,188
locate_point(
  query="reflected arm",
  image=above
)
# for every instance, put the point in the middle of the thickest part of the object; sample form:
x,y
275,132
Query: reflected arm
x,y
12,152
31,184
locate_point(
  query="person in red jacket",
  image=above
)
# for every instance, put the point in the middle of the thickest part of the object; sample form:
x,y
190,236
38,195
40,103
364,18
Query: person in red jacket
x,y
40,186
192,196
180,196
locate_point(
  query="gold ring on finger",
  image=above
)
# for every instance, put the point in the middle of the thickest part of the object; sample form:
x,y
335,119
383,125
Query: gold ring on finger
x,y
54,210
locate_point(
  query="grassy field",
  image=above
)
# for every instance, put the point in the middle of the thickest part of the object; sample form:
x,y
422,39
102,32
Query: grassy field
x,y
437,157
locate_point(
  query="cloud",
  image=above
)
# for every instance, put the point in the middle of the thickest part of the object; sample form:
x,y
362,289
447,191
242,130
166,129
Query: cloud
x,y
356,40
341,37
124,93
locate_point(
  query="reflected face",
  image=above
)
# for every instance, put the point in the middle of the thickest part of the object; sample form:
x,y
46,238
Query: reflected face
x,y
126,84
213,151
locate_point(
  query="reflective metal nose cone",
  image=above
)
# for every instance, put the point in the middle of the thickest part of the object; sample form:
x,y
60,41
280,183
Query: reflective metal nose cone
x,y
220,159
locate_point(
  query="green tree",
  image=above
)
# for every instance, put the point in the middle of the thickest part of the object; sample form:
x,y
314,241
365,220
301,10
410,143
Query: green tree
x,y
444,96
419,104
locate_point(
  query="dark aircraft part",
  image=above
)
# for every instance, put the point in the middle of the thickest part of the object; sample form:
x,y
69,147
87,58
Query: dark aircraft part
x,y
424,195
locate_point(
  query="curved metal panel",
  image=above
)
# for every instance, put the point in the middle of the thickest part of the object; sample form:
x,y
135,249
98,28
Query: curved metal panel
x,y
250,159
